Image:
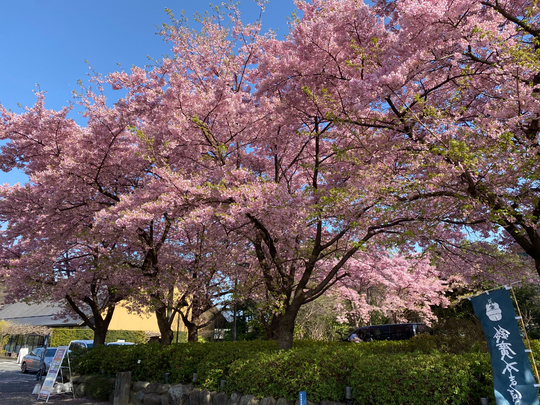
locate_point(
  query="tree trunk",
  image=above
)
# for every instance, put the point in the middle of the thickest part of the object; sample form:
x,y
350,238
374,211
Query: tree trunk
x,y
101,326
100,320
100,333
193,318
271,327
164,321
282,325
285,334
191,322
285,331
193,333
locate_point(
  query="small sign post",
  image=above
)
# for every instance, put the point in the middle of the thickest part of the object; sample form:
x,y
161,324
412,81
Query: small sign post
x,y
303,399
54,369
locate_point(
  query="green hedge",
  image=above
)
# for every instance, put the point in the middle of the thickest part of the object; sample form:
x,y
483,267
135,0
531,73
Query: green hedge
x,y
182,337
149,362
99,388
62,337
322,371
424,370
396,378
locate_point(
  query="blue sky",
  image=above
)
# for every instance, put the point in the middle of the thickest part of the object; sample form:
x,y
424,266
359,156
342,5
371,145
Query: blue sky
x,y
46,42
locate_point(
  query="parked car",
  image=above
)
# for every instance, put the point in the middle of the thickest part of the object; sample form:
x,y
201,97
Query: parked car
x,y
80,344
30,362
119,342
400,331
88,344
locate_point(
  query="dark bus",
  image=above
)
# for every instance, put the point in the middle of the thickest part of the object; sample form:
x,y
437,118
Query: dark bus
x,y
398,331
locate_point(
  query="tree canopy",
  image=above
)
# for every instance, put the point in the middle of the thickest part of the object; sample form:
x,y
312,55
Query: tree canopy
x,y
355,153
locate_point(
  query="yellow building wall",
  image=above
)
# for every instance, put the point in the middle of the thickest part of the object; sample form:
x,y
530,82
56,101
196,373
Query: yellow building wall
x,y
123,320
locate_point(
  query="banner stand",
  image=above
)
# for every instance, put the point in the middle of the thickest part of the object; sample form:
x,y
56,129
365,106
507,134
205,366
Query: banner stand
x,y
529,350
70,376
55,369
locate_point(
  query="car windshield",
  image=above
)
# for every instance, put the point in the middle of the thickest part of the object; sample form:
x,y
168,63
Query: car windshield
x,y
80,345
51,352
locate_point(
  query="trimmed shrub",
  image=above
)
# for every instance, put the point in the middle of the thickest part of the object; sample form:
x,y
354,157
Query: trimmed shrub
x,y
135,336
99,387
416,379
216,364
62,337
394,378
323,372
184,359
182,337
424,370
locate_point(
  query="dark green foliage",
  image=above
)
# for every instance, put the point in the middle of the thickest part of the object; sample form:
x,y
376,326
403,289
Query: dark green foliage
x,y
62,337
146,361
322,371
135,336
528,298
418,379
215,365
424,370
426,343
184,359
99,387
248,323
88,361
182,337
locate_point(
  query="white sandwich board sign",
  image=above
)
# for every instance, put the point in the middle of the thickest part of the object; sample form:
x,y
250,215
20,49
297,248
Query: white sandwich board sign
x,y
54,369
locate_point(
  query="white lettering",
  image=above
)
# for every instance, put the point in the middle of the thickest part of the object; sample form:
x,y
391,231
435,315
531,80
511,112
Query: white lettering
x,y
505,350
510,367
501,333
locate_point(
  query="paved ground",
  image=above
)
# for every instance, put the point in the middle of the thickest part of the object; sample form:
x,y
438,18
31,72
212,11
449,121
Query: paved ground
x,y
16,388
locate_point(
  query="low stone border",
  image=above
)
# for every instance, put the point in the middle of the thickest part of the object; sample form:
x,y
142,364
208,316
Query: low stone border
x,y
145,393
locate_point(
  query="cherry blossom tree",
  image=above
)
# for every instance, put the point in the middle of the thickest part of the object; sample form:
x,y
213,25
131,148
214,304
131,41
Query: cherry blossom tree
x,y
184,265
400,288
49,245
323,187
358,131
95,188
472,116
189,109
453,83
273,168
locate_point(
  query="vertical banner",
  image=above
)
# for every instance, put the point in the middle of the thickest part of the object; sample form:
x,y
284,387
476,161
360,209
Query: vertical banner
x,y
513,380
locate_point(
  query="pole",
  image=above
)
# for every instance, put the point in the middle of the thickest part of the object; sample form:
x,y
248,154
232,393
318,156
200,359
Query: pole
x,y
177,325
234,323
234,312
526,336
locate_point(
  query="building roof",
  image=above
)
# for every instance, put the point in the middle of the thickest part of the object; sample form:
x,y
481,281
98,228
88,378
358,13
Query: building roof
x,y
37,315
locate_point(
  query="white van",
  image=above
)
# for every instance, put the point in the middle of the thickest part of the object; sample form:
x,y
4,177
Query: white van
x,y
80,344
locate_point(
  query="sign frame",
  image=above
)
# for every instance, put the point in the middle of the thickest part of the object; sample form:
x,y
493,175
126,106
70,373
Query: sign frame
x,y
52,375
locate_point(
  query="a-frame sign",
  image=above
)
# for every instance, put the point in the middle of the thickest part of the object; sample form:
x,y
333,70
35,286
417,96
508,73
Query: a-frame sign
x,y
55,368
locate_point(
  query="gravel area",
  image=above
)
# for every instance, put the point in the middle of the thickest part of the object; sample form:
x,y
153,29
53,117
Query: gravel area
x,y
16,388
29,399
